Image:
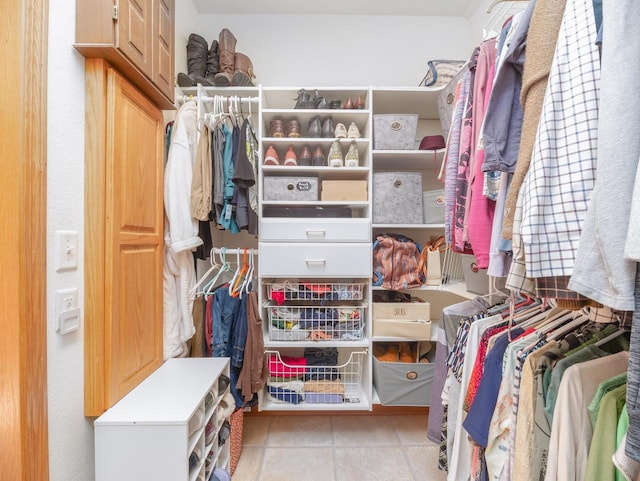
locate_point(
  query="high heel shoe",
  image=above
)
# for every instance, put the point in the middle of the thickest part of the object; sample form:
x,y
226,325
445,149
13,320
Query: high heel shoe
x,y
359,103
290,157
352,159
349,104
271,157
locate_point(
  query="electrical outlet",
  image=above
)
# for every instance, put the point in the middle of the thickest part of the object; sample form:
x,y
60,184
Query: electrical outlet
x,y
67,310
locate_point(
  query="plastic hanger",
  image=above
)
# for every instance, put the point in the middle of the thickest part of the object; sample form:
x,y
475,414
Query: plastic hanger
x,y
248,281
208,288
611,337
238,285
203,278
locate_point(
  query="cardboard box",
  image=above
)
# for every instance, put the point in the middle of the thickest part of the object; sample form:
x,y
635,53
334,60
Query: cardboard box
x,y
403,311
414,329
344,190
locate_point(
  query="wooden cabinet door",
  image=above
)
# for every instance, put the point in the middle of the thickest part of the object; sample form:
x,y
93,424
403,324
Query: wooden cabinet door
x,y
134,33
163,38
123,237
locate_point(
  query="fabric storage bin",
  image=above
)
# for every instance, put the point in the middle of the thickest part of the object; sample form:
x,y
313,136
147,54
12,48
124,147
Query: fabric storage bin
x,y
394,131
413,329
403,311
291,188
397,198
404,384
344,190
433,206
476,279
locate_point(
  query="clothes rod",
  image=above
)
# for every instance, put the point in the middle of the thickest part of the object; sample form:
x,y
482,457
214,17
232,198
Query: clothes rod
x,y
239,250
206,98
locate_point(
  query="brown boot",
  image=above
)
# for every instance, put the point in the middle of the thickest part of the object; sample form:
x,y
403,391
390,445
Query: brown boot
x,y
243,71
405,354
227,51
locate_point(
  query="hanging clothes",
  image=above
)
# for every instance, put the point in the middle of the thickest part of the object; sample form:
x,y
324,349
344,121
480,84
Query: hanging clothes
x,y
181,235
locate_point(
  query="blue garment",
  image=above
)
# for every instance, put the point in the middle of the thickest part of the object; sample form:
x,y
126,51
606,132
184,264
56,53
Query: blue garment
x,y
226,218
323,398
479,417
285,395
229,327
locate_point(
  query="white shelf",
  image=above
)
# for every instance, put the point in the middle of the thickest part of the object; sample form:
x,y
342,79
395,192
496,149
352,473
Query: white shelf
x,y
315,203
407,100
302,344
325,172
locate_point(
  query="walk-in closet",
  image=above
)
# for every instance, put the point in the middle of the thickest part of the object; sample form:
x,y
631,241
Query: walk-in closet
x,y
340,241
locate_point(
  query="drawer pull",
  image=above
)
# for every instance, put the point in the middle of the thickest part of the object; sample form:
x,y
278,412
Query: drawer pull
x,y
315,262
315,233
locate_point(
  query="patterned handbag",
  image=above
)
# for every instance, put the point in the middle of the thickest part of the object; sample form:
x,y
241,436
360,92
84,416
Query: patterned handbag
x,y
440,72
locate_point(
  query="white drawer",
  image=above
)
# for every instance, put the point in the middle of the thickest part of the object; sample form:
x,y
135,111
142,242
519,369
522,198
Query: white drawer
x,y
315,260
315,230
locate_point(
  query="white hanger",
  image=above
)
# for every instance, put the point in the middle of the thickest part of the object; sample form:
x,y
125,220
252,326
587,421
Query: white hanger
x,y
214,265
208,288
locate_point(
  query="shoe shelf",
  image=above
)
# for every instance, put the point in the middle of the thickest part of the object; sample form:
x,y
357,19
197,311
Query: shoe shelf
x,y
286,97
324,172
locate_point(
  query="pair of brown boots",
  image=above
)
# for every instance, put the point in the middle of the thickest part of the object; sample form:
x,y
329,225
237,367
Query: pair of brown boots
x,y
395,352
219,65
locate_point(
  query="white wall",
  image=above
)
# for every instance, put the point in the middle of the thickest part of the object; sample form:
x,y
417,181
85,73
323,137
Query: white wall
x,y
286,50
70,433
322,50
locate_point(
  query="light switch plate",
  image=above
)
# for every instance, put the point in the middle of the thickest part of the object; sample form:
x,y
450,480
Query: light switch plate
x,y
66,250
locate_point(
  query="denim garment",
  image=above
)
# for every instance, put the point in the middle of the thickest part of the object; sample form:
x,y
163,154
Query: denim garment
x,y
229,326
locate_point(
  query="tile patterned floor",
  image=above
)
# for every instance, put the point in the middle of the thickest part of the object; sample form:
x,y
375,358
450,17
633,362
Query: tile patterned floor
x,y
337,448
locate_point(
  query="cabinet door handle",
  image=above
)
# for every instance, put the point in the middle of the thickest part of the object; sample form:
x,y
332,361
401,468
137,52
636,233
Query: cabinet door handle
x,y
316,233
315,262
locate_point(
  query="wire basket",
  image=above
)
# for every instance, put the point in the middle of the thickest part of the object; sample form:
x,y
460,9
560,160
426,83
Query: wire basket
x,y
452,272
297,380
316,322
314,291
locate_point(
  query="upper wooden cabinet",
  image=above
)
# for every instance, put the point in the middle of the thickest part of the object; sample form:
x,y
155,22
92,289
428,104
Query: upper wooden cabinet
x,y
136,37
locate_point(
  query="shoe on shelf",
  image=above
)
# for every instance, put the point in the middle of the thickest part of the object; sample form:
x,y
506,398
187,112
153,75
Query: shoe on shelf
x,y
335,158
327,128
276,128
315,128
305,157
359,103
334,104
391,354
353,132
352,159
303,100
349,104
292,128
340,131
318,159
271,157
405,353
322,103
290,157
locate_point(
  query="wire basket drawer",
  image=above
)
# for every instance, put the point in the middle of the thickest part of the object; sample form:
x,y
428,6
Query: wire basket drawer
x,y
314,291
299,380
316,322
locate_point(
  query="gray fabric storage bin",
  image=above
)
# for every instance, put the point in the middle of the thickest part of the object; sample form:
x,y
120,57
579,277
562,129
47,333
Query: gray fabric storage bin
x,y
397,198
290,188
394,131
433,206
404,384
476,279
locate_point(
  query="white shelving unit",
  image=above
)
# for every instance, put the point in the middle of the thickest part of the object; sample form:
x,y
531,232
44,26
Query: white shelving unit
x,y
167,428
325,253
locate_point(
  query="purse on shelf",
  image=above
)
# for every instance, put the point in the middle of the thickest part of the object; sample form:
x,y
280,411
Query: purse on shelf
x,y
440,72
430,261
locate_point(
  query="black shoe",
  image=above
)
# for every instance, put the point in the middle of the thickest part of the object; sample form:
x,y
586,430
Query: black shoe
x,y
315,128
327,128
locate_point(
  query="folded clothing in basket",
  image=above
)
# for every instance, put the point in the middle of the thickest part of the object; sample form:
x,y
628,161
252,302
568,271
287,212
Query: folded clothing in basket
x,y
288,391
287,366
323,398
324,386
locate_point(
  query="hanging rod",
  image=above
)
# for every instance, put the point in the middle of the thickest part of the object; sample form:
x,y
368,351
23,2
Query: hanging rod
x,y
239,250
204,98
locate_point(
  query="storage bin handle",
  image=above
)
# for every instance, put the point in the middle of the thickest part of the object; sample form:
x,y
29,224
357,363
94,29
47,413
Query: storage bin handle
x,y
318,262
315,233
412,375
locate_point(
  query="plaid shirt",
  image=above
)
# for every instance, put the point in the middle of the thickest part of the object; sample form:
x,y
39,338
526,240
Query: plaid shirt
x,y
562,171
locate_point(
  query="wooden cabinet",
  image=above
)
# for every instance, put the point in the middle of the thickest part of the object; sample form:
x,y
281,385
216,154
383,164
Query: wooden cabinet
x,y
123,237
136,37
168,427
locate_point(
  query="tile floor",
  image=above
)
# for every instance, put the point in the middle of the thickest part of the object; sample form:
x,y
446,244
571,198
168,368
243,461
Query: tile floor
x,y
337,448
